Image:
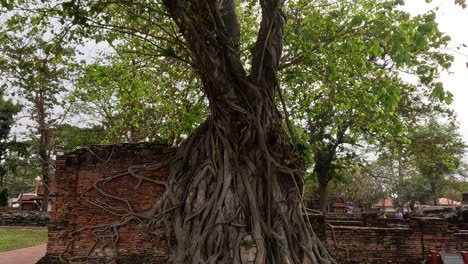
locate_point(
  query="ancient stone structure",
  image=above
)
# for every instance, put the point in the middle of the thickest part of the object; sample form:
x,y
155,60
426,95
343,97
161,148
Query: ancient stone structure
x,y
75,212
357,240
76,207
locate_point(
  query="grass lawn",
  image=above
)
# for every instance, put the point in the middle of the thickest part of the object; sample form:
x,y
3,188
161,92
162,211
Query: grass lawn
x,y
15,238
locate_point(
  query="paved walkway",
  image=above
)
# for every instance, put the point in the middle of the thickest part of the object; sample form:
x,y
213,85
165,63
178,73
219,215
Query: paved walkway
x,y
28,255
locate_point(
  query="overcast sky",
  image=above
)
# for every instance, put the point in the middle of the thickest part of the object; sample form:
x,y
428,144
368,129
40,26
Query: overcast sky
x,y
453,20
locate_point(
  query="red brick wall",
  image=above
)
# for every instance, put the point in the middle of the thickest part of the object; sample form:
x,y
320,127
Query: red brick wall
x,y
395,240
76,173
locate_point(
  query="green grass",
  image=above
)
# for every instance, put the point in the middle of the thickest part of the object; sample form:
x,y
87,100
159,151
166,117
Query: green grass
x,y
15,238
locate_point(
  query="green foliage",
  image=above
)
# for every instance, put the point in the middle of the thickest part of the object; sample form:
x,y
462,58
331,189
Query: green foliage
x,y
311,188
7,111
21,166
454,186
35,69
341,73
36,66
360,184
138,99
341,67
68,138
4,196
436,150
411,190
425,167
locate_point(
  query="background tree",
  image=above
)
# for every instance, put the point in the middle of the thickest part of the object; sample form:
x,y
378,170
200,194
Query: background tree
x,y
341,72
405,165
362,186
4,197
7,111
67,138
21,167
137,99
454,188
36,69
436,150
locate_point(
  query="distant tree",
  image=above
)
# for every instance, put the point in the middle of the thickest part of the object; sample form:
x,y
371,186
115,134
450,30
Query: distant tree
x,y
411,190
36,69
362,186
436,150
22,166
420,165
67,137
455,186
7,111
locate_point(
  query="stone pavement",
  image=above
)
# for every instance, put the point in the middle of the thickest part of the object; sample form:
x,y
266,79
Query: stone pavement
x,y
28,255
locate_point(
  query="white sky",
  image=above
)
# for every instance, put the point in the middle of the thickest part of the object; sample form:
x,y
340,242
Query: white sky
x,y
453,20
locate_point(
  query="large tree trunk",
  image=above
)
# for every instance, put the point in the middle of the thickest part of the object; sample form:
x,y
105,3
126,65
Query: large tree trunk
x,y
237,176
324,157
323,193
322,169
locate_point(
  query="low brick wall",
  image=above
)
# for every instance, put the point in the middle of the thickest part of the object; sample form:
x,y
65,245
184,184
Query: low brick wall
x,y
73,213
390,240
23,218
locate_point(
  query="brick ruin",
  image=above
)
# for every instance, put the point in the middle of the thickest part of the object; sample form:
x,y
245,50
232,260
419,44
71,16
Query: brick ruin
x,y
350,239
72,213
361,239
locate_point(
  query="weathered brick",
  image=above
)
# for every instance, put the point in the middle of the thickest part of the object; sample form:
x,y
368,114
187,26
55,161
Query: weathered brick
x,y
390,240
76,172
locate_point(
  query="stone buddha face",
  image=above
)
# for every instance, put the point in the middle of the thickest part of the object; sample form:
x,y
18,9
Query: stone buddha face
x,y
248,250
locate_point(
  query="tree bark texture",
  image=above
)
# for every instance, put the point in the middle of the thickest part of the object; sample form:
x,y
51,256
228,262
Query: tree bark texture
x,y
323,168
238,174
323,194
